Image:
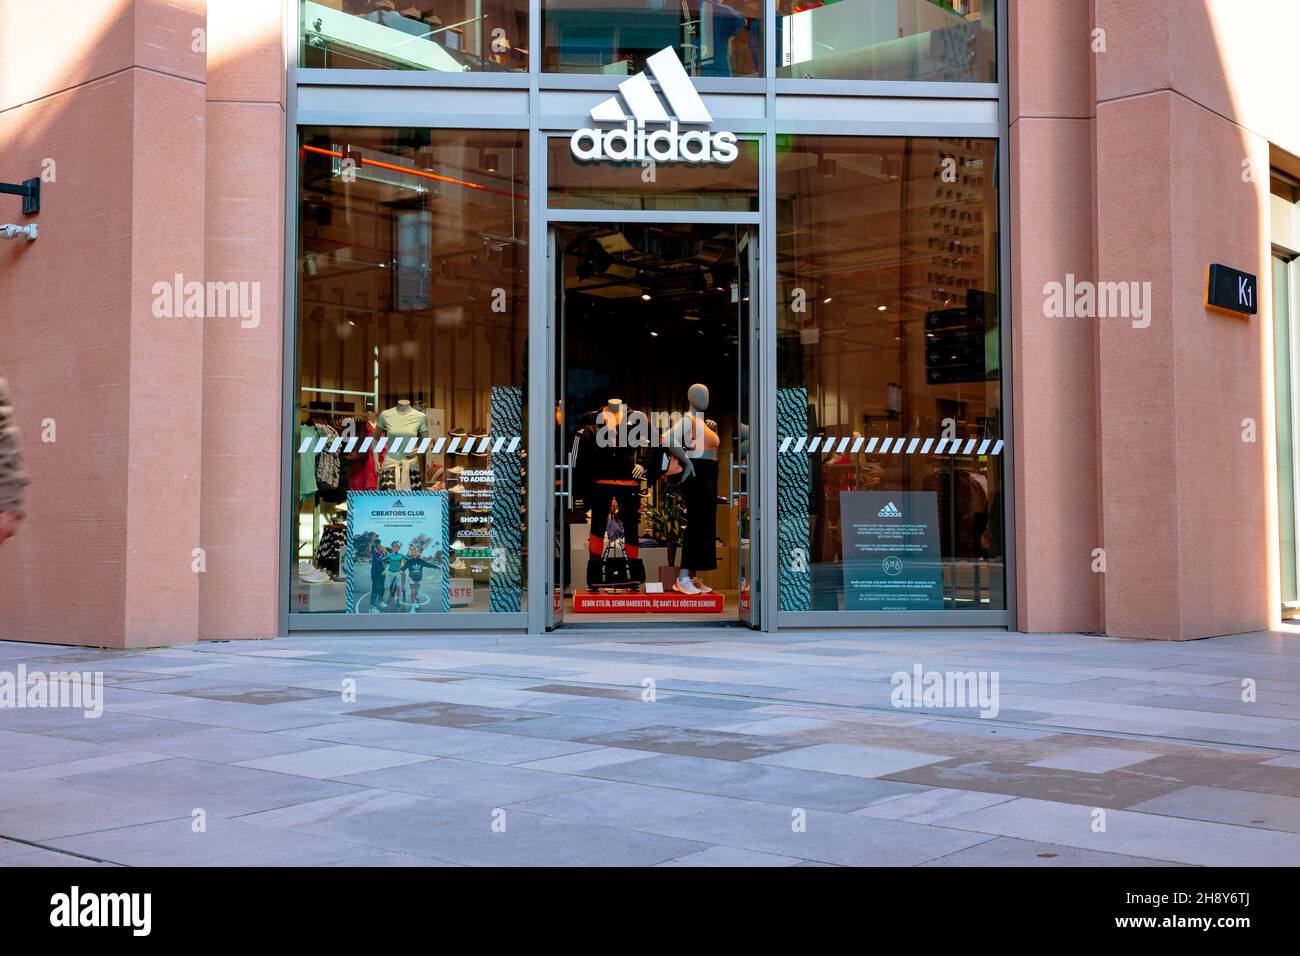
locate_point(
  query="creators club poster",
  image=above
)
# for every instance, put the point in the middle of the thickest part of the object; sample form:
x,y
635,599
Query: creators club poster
x,y
396,558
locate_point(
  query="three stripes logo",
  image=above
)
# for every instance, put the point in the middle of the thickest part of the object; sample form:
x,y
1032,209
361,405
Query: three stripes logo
x,y
632,141
889,511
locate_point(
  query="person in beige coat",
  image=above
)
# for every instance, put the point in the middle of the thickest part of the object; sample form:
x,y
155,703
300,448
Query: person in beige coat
x,y
12,477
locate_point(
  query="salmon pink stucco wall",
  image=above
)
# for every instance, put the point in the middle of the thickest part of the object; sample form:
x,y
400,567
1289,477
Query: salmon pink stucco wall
x,y
1178,99
147,419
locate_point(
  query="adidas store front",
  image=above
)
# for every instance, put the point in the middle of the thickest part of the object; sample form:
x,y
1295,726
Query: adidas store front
x,y
645,314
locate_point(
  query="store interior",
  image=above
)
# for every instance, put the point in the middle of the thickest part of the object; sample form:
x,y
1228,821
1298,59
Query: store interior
x,y
651,339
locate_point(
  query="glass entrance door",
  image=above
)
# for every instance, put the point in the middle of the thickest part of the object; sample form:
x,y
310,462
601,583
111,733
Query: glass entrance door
x,y
651,338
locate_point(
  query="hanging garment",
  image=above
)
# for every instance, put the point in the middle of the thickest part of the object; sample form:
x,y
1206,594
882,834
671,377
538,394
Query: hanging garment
x,y
700,500
363,476
327,462
400,474
307,461
331,548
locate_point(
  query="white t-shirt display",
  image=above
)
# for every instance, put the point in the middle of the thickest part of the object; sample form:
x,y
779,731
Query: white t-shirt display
x,y
405,425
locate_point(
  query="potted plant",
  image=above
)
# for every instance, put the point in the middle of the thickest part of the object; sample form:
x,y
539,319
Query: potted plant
x,y
665,518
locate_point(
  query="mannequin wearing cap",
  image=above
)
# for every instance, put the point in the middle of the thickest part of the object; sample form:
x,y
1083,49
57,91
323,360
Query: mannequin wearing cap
x,y
606,470
694,443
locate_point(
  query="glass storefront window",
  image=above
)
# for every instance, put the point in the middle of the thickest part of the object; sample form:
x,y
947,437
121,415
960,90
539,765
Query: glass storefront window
x,y
411,368
890,461
614,37
706,187
449,36
930,40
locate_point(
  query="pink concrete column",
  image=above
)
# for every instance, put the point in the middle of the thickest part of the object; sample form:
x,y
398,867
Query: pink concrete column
x,y
242,357
1184,497
1053,371
109,103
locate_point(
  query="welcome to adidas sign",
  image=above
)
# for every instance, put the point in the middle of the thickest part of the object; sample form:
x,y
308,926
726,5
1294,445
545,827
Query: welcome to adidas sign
x,y
632,141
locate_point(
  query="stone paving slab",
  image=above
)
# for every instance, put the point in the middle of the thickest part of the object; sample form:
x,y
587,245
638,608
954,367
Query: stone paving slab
x,y
1135,834
757,750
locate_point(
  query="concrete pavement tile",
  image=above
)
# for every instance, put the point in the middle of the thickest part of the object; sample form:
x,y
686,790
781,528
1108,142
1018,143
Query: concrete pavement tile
x,y
1096,759
49,858
225,744
443,714
13,848
585,760
468,782
262,696
533,840
31,810
225,842
574,690
1135,834
731,856
776,726
216,788
1119,789
750,780
1207,767
23,750
221,713
695,743
318,812
1004,851
562,727
932,806
70,768
850,760
824,837
325,763
1241,807
494,748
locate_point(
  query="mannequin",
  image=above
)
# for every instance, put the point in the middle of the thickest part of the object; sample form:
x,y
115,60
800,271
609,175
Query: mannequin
x,y
605,471
694,443
400,470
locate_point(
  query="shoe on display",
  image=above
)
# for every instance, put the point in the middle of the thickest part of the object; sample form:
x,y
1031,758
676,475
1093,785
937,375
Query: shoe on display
x,y
458,565
315,576
455,470
458,545
457,488
685,586
305,566
704,588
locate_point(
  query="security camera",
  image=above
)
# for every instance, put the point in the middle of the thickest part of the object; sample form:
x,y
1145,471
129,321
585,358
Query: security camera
x,y
10,231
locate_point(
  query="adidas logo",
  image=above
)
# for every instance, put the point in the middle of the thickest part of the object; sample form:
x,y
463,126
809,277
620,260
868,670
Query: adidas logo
x,y
398,504
632,141
889,511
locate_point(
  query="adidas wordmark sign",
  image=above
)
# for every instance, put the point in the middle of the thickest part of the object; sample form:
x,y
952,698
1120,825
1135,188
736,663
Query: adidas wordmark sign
x,y
632,141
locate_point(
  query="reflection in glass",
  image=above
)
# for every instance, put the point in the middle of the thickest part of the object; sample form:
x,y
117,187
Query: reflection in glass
x,y
412,329
889,374
936,40
450,36
614,37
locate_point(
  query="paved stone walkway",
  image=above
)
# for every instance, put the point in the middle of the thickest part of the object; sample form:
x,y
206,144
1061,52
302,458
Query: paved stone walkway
x,y
755,750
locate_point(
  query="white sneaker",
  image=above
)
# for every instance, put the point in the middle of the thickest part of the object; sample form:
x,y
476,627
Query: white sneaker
x,y
315,576
685,586
704,588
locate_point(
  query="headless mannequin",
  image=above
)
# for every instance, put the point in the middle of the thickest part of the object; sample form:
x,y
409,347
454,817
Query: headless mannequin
x,y
701,496
402,422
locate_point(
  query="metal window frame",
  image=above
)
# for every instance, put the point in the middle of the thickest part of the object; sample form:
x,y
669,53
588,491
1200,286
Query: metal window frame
x,y
772,91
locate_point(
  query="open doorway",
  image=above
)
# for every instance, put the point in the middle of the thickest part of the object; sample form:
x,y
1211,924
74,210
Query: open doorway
x,y
652,326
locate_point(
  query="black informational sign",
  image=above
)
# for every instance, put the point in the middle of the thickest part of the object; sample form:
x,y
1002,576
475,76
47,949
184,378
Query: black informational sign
x,y
891,558
1231,290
